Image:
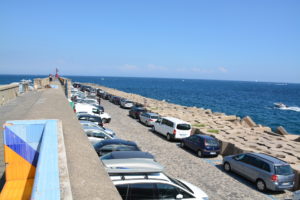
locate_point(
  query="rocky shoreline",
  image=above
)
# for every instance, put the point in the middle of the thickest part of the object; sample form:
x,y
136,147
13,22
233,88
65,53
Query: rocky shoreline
x,y
237,135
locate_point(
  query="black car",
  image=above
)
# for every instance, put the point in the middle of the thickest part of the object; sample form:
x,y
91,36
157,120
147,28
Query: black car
x,y
107,146
204,145
76,85
91,118
126,155
136,111
86,88
116,100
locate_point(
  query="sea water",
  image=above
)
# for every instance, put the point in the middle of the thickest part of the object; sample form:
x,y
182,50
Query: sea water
x,y
254,99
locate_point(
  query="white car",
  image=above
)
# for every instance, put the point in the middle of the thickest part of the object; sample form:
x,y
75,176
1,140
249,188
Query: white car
x,y
172,128
82,108
126,103
144,179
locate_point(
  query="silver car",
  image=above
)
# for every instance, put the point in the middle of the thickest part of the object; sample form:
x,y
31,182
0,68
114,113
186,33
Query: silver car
x,y
266,171
148,118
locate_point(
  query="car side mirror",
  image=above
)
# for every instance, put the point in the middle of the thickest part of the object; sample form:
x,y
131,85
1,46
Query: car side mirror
x,y
179,196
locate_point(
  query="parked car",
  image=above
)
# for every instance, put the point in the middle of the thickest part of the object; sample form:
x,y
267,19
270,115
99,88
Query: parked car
x,y
92,118
116,100
269,173
88,101
144,179
82,108
172,128
204,145
127,155
99,92
87,125
85,88
95,136
107,146
136,111
76,85
148,118
126,104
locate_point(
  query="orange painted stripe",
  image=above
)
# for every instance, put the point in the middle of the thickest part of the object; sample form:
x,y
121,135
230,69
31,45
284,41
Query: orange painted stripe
x,y
17,168
17,190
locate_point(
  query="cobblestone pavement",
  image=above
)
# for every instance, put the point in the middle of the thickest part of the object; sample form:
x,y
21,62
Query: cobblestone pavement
x,y
206,173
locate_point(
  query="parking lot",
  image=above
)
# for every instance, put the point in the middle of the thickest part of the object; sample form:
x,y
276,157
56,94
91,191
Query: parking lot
x,y
206,173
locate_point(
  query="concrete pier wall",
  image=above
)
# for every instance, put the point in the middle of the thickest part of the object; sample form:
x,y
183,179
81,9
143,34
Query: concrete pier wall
x,y
11,91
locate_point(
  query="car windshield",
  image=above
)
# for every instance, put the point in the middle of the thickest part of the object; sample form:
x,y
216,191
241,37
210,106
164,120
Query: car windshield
x,y
183,127
211,142
283,170
154,117
177,182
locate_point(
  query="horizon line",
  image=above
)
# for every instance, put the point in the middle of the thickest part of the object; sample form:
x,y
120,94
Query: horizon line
x,y
257,81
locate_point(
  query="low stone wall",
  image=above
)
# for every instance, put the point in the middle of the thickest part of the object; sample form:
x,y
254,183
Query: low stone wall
x,y
11,91
8,92
40,83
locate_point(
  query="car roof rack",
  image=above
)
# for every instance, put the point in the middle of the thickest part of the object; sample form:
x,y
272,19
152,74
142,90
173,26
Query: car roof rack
x,y
132,166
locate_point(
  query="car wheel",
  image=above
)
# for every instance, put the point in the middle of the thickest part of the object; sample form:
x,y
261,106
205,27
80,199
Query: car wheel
x,y
169,137
227,167
260,185
199,154
153,129
182,144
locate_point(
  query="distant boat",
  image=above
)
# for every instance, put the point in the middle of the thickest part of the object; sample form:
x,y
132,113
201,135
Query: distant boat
x,y
280,105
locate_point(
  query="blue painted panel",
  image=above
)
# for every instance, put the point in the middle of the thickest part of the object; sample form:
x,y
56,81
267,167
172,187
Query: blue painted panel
x,y
46,182
31,133
20,146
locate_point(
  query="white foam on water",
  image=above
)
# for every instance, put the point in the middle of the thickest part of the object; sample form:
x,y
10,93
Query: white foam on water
x,y
293,108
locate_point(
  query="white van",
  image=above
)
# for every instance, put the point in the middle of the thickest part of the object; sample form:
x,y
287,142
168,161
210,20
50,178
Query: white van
x,y
172,128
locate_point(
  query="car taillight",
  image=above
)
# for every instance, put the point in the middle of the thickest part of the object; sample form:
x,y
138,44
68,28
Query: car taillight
x,y
150,120
274,178
174,132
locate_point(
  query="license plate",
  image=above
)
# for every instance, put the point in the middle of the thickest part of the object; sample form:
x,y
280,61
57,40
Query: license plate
x,y
213,153
286,183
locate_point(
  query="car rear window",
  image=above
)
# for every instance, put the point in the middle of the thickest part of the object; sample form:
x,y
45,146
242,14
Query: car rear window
x,y
211,142
183,126
283,170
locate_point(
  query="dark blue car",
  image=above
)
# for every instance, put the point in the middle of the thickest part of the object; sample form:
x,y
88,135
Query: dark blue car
x,y
204,145
107,146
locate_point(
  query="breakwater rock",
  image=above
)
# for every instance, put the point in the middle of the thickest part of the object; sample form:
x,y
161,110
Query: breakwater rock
x,y
237,135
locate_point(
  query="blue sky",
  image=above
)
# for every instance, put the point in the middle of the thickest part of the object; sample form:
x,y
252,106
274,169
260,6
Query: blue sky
x,y
203,39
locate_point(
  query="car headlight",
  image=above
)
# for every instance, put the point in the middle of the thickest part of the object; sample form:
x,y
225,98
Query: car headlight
x,y
205,198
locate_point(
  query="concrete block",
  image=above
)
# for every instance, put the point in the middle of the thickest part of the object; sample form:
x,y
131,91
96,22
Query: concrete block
x,y
229,118
248,121
282,131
